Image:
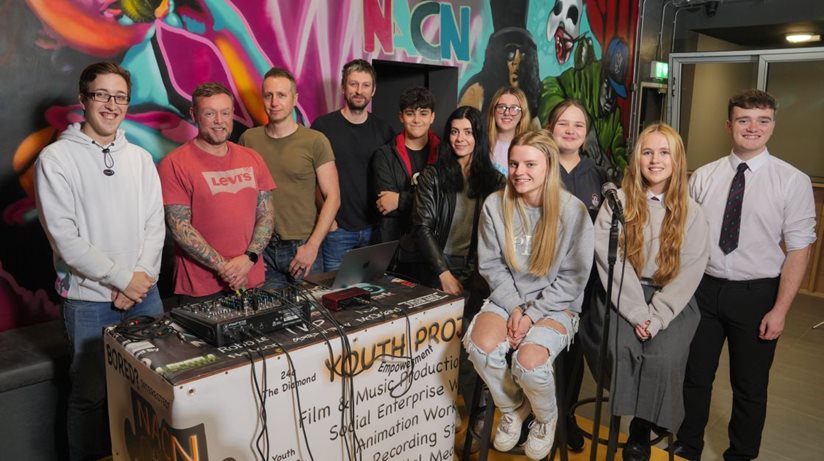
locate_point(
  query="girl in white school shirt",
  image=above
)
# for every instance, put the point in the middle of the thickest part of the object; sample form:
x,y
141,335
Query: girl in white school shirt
x,y
664,241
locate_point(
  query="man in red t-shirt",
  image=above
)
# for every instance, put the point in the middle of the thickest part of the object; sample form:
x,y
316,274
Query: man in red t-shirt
x,y
217,198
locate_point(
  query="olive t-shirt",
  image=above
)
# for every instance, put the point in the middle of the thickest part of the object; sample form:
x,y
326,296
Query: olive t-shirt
x,y
292,160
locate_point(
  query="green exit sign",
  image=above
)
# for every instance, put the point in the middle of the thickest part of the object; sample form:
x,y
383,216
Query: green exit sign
x,y
659,70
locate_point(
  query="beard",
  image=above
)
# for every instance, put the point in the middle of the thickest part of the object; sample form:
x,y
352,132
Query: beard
x,y
354,106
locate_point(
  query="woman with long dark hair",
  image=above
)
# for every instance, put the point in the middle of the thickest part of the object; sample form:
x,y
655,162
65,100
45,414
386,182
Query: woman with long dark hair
x,y
448,200
535,252
664,240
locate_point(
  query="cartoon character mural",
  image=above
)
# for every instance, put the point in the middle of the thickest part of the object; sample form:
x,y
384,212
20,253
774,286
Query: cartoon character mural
x,y
563,26
510,59
596,84
171,46
581,50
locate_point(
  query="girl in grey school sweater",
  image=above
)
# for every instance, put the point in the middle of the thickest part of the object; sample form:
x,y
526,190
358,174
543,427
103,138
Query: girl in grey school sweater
x,y
664,241
535,250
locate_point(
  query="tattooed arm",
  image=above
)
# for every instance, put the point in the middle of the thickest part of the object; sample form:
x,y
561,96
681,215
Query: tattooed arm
x,y
179,220
264,222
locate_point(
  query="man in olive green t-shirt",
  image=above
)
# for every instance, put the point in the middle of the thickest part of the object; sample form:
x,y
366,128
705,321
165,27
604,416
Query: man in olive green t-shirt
x,y
300,159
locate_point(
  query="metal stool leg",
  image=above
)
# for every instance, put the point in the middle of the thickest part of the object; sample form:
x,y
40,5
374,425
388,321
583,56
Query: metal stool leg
x,y
614,429
473,413
561,399
671,448
475,410
486,434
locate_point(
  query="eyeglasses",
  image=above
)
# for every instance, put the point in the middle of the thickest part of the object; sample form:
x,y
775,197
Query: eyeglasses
x,y
503,108
102,96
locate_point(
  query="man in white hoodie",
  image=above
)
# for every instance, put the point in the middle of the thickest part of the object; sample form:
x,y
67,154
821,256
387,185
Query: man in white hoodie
x,y
99,201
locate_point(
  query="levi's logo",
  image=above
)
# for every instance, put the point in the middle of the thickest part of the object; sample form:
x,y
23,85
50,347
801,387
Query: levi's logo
x,y
230,181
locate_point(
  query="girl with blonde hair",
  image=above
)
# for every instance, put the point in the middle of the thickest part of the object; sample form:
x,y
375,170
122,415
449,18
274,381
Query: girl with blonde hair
x,y
507,117
535,252
664,240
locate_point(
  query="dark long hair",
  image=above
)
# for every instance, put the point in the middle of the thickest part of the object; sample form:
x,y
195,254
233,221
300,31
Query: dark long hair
x,y
483,177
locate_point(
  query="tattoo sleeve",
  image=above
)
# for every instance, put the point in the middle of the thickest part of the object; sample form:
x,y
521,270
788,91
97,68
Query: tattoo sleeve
x,y
179,220
264,222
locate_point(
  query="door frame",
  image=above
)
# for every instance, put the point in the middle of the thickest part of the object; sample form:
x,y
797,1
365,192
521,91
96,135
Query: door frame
x,y
763,57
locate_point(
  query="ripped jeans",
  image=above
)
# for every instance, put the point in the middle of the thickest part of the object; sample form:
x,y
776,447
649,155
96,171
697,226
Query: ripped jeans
x,y
509,388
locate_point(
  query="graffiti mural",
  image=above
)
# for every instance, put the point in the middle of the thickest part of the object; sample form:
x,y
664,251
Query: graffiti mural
x,y
551,49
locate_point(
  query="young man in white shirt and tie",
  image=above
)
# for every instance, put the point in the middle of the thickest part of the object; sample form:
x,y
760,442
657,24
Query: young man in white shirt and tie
x,y
752,201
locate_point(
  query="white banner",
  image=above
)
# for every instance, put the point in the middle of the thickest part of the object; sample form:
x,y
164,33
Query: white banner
x,y
405,375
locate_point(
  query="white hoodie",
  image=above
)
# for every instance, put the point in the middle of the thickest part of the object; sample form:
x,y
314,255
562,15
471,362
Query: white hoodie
x,y
101,228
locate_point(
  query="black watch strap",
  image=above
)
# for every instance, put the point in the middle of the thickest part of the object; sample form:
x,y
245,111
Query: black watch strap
x,y
252,257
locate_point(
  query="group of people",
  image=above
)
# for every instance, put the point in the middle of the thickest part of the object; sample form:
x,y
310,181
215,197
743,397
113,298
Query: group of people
x,y
508,216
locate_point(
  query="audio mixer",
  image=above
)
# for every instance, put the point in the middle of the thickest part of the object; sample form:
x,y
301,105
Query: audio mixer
x,y
230,318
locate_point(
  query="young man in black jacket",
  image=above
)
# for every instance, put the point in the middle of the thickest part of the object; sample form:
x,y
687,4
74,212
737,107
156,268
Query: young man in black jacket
x,y
395,165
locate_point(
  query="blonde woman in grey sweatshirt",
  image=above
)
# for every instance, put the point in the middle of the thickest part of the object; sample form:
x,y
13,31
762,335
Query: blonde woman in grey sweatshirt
x,y
535,250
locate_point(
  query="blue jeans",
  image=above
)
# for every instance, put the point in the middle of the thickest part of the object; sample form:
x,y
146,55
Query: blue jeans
x,y
87,419
277,256
508,387
340,241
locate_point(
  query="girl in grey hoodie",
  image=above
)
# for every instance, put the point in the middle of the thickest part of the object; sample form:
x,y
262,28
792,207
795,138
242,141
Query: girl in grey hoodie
x,y
535,250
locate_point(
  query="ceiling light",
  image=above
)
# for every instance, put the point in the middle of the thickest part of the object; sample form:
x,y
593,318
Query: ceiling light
x,y
802,38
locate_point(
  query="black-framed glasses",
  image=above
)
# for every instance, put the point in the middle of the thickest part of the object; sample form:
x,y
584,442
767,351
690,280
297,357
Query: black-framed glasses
x,y
102,96
503,108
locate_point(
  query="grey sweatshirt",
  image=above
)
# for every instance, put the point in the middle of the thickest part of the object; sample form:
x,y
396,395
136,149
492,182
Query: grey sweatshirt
x,y
563,286
670,300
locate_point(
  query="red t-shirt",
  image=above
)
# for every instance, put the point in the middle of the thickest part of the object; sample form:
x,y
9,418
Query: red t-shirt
x,y
222,193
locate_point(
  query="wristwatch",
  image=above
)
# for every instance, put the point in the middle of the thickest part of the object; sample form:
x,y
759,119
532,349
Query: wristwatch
x,y
252,256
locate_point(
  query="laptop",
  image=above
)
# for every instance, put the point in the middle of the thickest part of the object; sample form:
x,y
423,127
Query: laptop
x,y
359,265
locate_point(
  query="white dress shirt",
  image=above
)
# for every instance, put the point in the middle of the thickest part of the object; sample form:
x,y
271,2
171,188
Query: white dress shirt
x,y
778,205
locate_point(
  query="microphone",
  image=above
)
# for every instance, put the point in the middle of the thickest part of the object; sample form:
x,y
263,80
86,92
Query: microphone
x,y
609,191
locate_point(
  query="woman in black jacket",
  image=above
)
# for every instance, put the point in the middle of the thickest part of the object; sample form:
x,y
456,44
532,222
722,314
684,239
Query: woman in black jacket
x,y
448,200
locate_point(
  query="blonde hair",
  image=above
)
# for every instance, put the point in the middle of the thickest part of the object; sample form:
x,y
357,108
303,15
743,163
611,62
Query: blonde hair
x,y
523,124
636,211
546,229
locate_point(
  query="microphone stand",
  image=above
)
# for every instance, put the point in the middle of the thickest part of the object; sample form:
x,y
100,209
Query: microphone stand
x,y
612,256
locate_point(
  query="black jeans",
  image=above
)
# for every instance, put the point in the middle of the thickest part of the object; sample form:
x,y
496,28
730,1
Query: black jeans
x,y
731,311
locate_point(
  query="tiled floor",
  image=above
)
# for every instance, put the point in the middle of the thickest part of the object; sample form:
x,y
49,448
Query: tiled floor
x,y
794,429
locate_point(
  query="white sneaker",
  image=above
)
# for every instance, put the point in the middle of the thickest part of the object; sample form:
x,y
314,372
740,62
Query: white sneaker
x,y
509,428
541,437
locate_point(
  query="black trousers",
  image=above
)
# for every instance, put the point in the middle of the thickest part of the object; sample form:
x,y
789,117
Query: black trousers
x,y
731,311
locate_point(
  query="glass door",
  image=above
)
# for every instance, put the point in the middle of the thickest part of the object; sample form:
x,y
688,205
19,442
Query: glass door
x,y
795,82
701,84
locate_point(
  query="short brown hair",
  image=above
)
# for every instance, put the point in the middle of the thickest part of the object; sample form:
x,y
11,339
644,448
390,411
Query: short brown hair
x,y
751,99
357,65
280,72
210,89
91,72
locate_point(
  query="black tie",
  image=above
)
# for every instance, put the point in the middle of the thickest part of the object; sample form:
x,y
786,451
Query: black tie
x,y
732,212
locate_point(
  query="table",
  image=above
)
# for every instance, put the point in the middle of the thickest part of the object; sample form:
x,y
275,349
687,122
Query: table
x,y
175,399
